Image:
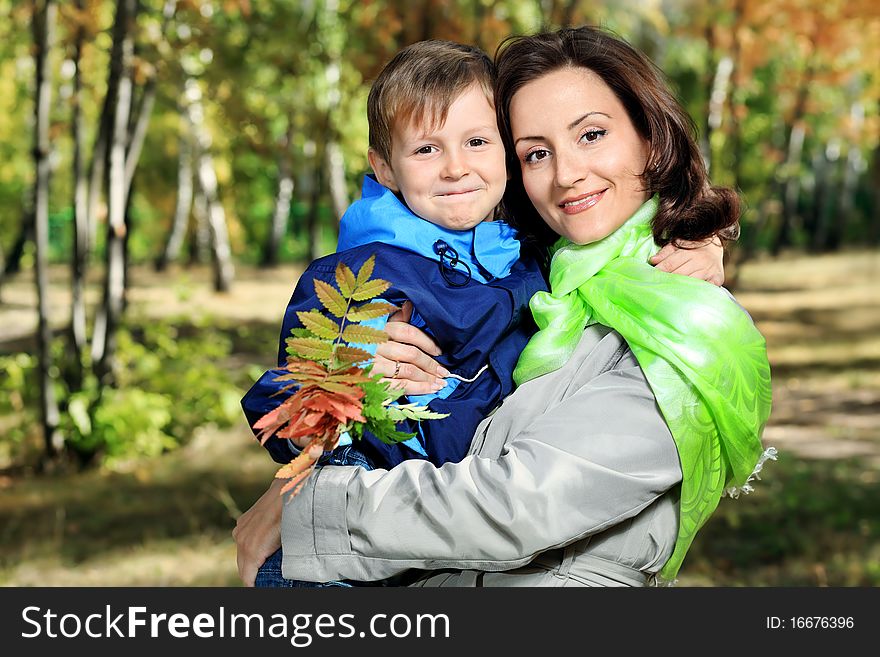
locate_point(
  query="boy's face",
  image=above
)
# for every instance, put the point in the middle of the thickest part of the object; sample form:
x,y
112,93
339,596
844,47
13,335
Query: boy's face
x,y
454,175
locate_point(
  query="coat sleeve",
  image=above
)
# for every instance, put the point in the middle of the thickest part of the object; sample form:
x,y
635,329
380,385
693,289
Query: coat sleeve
x,y
596,458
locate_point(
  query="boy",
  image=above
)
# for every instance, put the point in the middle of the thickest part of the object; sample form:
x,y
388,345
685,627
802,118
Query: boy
x,y
428,218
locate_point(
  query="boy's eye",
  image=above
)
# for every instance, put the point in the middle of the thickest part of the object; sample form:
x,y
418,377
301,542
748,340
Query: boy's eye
x,y
477,142
536,156
591,136
425,150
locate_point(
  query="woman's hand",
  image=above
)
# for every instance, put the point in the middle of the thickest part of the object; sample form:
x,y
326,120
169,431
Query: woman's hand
x,y
703,260
405,360
257,532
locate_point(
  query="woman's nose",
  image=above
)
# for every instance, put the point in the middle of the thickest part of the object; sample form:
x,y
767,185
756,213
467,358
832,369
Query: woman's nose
x,y
569,169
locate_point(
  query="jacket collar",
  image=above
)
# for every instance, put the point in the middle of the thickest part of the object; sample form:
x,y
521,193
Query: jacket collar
x,y
489,250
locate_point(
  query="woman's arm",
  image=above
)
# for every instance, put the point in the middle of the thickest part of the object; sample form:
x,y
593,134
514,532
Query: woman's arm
x,y
596,458
257,532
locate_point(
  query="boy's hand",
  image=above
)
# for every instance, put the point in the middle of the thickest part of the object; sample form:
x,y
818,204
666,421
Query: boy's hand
x,y
703,260
405,360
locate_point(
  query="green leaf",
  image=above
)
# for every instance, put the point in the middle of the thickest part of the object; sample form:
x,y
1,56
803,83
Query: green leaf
x,y
413,412
319,324
357,334
352,355
392,437
370,289
311,348
79,412
345,279
301,333
371,311
330,298
366,270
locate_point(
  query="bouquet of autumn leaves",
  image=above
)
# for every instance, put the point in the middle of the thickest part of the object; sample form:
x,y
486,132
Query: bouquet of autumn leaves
x,y
333,389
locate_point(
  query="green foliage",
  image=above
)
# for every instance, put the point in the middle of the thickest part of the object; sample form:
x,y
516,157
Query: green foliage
x,y
168,384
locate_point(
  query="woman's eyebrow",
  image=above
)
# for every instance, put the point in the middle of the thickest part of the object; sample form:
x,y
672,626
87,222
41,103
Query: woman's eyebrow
x,y
571,126
576,122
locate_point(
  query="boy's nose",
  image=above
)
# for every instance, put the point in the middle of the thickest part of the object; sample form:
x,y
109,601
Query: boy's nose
x,y
454,167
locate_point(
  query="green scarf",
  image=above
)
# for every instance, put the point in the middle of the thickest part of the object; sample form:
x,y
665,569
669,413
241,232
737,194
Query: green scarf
x,y
701,354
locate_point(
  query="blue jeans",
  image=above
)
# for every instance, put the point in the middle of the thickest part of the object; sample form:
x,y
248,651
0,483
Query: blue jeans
x,y
269,575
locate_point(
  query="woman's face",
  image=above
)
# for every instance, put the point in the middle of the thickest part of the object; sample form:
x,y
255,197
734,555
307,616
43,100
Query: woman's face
x,y
580,155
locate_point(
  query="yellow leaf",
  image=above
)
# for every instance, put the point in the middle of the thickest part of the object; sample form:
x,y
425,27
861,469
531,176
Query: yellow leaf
x,y
319,324
364,335
366,270
371,311
370,289
330,298
345,279
311,348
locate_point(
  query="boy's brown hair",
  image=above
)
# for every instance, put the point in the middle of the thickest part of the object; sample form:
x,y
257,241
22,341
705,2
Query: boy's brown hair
x,y
422,81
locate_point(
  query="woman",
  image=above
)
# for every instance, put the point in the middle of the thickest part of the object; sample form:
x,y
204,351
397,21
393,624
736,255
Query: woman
x,y
642,397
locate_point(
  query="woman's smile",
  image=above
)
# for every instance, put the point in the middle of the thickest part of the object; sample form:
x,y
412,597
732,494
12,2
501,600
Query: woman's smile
x,y
581,203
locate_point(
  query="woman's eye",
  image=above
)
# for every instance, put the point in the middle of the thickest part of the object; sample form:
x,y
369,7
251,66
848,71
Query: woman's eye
x,y
537,156
591,136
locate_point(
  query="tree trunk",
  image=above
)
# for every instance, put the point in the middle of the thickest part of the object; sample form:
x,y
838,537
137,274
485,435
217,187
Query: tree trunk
x,y
717,103
824,164
110,311
336,178
44,34
80,219
874,219
790,188
852,166
795,144
200,239
224,270
13,262
139,132
184,194
313,223
278,227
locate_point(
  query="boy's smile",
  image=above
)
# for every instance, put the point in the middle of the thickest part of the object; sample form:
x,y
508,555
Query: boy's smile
x,y
452,175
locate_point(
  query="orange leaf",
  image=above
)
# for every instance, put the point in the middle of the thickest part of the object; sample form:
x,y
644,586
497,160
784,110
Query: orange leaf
x,y
352,355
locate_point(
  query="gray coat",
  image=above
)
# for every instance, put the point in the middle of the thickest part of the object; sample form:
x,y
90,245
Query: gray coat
x,y
573,481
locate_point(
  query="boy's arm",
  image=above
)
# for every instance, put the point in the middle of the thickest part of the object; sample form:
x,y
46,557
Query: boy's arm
x,y
703,260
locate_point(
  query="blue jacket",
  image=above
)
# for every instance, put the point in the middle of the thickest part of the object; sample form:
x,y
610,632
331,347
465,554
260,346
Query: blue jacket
x,y
475,323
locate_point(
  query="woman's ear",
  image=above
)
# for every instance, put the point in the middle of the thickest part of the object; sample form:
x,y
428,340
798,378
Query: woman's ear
x,y
384,172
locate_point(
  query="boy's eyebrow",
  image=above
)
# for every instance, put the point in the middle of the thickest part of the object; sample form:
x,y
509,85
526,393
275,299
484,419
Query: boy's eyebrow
x,y
479,128
571,126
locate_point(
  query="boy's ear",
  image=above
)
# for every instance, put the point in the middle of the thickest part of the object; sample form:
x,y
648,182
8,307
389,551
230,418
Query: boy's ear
x,y
384,172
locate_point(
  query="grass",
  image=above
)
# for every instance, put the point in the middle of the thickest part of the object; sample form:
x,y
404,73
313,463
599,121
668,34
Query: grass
x,y
814,520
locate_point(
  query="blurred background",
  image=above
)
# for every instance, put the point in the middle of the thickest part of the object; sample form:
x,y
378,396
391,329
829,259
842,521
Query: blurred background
x,y
168,167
